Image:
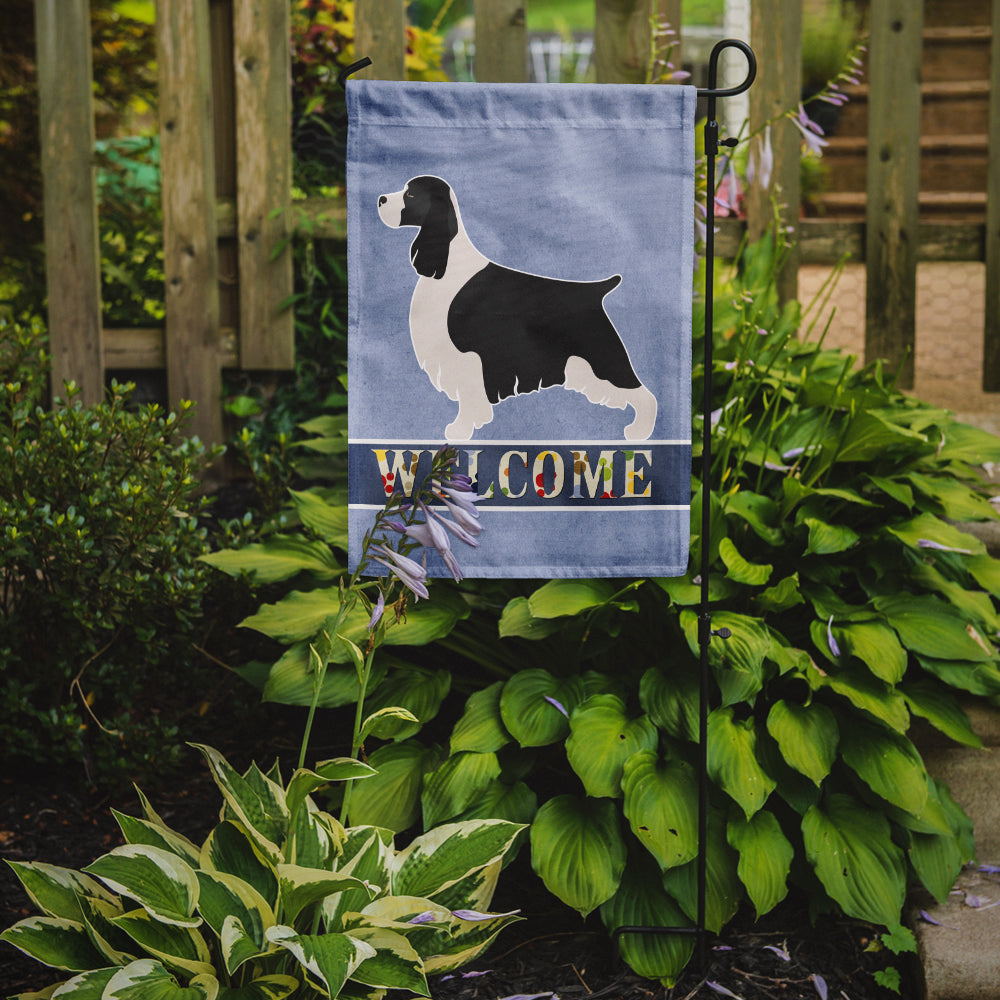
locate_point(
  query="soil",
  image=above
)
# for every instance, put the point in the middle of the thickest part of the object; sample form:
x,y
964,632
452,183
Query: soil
x,y
551,952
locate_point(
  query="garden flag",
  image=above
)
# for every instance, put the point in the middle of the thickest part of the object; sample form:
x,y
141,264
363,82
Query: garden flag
x,y
520,273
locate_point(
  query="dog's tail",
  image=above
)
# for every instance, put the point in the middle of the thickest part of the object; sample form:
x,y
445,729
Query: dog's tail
x,y
607,284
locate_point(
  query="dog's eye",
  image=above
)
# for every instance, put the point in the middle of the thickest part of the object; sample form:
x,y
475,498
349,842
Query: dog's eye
x,y
407,195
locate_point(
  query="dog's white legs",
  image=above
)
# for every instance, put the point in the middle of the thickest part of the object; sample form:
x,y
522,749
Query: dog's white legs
x,y
580,377
644,403
464,383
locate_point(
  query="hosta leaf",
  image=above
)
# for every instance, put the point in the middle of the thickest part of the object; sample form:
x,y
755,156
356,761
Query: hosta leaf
x,y
783,595
415,689
578,851
304,782
441,857
976,605
723,889
56,891
558,598
391,798
160,882
528,710
758,511
141,831
98,916
517,620
850,848
515,803
807,736
928,528
54,941
986,571
641,901
827,539
481,727
932,628
602,738
965,443
732,760
466,941
395,964
390,723
225,897
87,986
976,678
937,860
456,784
684,592
147,979
876,646
866,692
274,987
180,948
765,858
870,435
292,681
671,699
888,763
941,709
366,855
280,557
957,501
661,798
738,661
330,959
230,849
263,813
739,569
301,887
327,520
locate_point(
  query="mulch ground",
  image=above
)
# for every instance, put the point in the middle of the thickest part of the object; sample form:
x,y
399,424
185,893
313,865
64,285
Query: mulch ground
x,y
58,820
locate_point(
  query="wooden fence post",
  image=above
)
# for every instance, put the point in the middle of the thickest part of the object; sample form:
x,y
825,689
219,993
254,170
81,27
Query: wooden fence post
x,y
991,333
622,40
72,256
893,183
190,251
262,61
380,34
501,40
776,34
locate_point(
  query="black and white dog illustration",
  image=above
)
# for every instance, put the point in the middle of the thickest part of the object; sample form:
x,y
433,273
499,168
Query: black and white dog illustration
x,y
484,332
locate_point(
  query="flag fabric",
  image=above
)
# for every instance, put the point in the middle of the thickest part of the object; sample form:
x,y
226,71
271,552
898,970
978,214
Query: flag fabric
x,y
520,261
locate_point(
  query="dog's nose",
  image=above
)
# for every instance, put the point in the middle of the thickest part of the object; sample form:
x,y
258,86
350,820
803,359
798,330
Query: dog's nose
x,y
382,199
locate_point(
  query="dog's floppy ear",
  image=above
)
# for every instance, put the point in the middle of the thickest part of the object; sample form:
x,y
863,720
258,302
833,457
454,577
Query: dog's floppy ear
x,y
429,251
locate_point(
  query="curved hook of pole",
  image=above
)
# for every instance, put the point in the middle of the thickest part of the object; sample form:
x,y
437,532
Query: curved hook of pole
x,y
713,69
353,68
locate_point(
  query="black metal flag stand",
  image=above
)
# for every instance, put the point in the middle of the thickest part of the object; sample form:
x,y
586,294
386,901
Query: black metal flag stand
x,y
705,631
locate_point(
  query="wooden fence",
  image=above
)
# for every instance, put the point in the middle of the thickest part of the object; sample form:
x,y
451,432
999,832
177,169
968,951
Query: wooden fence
x,y
226,161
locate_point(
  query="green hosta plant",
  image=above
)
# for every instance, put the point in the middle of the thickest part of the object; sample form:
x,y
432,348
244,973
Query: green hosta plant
x,y
279,900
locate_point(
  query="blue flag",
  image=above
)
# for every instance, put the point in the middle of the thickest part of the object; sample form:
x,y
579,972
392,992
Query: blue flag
x,y
520,261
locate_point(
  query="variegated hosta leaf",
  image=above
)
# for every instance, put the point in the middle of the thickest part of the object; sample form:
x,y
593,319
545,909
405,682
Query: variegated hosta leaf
x,y
395,964
888,763
256,801
723,889
147,979
274,987
177,947
160,882
765,858
602,737
578,851
116,947
535,706
86,986
516,803
56,891
329,959
661,799
304,782
807,736
54,941
850,847
732,760
441,857
481,727
467,940
315,838
476,890
642,902
391,799
225,897
238,944
230,849
367,853
456,784
300,887
141,831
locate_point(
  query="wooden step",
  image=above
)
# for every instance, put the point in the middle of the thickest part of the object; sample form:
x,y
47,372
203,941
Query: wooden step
x,y
957,206
947,162
956,53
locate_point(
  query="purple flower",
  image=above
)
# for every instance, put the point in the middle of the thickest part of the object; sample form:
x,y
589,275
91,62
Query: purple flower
x,y
427,917
927,543
410,573
820,983
811,132
462,533
475,915
719,988
377,611
558,705
780,952
761,163
834,648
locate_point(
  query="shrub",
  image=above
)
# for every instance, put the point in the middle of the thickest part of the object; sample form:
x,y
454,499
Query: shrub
x,y
99,539
280,899
854,604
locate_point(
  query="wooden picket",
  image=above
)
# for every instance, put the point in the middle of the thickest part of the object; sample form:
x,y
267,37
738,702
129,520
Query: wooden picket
x,y
226,160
